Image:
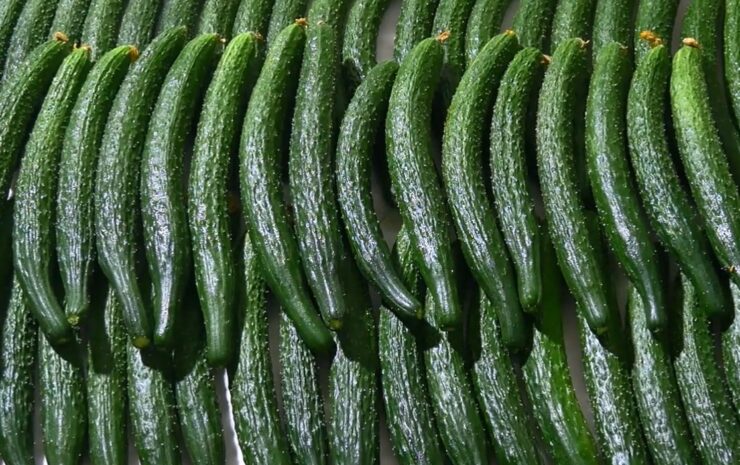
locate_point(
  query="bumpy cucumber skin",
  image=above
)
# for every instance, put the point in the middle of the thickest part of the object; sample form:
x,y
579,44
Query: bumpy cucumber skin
x,y
704,160
70,18
31,30
260,153
117,219
732,54
564,210
572,18
731,356
656,16
452,17
511,192
284,13
217,17
18,346
177,13
668,205
484,23
712,421
417,188
137,24
35,192
612,23
215,144
101,25
258,429
253,16
532,23
414,25
10,11
360,36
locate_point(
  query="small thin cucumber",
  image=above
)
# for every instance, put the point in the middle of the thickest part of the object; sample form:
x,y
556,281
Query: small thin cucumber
x,y
217,17
260,154
137,23
360,37
484,23
103,21
730,341
10,11
414,25
178,13
654,19
253,16
572,19
613,22
70,18
451,18
31,30
732,54
532,23
284,13
36,191
117,183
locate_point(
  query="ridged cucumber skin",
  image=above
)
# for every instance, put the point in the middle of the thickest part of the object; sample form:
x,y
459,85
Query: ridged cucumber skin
x,y
704,160
617,199
731,357
35,193
10,11
452,17
302,401
572,19
656,394
163,191
706,401
70,18
137,23
31,30
63,405
509,175
414,25
360,126
732,54
360,36
613,22
532,23
463,144
656,16
75,236
117,220
178,13
668,205
310,166
260,155
216,144
415,182
105,381
217,17
284,13
18,345
564,210
253,16
253,399
102,24
483,24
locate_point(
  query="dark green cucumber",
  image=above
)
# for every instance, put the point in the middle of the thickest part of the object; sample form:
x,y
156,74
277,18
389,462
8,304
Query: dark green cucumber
x,y
730,341
284,13
18,347
732,54
253,16
655,17
302,404
258,429
333,13
117,221
217,17
451,18
63,405
565,212
36,191
360,37
163,191
260,158
415,182
177,13
656,393
362,121
216,143
704,160
31,30
511,193
74,209
484,23
414,25
310,164
137,24
10,11
103,21
613,22
572,18
712,421
6,251
70,18
532,23
668,205
106,383
462,171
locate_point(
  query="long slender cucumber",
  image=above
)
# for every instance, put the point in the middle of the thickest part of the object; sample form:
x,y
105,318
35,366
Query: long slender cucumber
x,y
253,16
103,21
451,18
31,30
732,54
70,18
217,17
571,19
532,23
613,22
483,24
137,23
731,357
655,17
177,13
360,37
414,25
284,13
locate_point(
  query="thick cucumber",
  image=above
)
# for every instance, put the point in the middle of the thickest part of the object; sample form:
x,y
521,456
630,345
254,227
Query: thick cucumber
x,y
117,222
253,16
106,383
707,403
215,145
102,24
484,23
417,188
360,36
509,175
730,341
451,18
668,205
137,24
10,11
284,13
163,192
572,19
656,393
656,18
613,22
532,23
217,17
36,191
63,405
732,54
18,347
74,209
260,153
303,408
31,30
565,212
70,18
414,25
177,13
704,160
357,135
310,164
258,429
462,171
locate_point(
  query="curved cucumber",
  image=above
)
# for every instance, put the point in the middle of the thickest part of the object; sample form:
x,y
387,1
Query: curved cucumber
x,y
613,23
253,16
732,54
414,25
451,18
137,24
70,18
31,30
655,17
572,19
284,13
217,17
532,23
360,37
483,24
10,11
101,25
731,357
178,13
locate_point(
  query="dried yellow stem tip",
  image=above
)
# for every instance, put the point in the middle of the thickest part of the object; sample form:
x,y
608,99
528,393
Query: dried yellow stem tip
x,y
61,37
133,53
546,59
443,36
510,32
690,42
84,47
301,22
651,38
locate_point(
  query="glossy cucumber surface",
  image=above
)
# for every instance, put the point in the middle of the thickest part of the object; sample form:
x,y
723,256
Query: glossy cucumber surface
x,y
70,18
656,17
572,19
253,16
137,23
102,24
414,25
31,30
532,23
483,24
360,37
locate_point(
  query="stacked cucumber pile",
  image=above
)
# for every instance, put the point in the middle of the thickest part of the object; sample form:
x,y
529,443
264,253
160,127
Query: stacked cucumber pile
x,y
178,176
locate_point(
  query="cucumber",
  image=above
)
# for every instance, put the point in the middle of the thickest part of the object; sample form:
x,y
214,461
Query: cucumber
x,y
10,11
666,202
62,399
35,192
117,182
260,157
253,16
656,18
258,429
462,172
451,18
70,18
31,30
730,339
177,13
732,54
6,252
332,12
707,403
656,393
414,25
102,24
564,210
613,22
216,142
284,13
75,235
484,23
360,37
310,164
163,192
362,121
137,24
703,158
18,346
106,383
415,183
217,17
532,23
511,193
572,18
